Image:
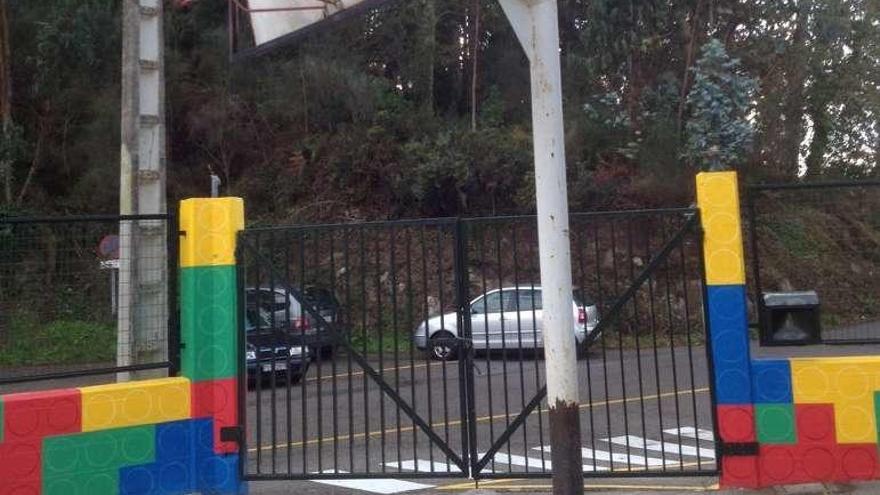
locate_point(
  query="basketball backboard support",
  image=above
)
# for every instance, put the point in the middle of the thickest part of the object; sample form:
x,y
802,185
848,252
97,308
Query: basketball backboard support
x,y
536,24
272,24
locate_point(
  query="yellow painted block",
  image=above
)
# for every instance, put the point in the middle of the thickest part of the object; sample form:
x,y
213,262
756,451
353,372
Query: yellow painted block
x,y
855,421
135,403
210,227
718,199
827,380
811,382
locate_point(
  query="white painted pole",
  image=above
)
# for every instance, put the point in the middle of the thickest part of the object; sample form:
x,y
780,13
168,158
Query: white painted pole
x,y
536,23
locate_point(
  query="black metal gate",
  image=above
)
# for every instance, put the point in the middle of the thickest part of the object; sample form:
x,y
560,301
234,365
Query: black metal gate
x,y
411,349
370,404
646,405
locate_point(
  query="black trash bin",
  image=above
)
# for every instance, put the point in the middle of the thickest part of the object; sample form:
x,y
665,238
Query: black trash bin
x,y
790,318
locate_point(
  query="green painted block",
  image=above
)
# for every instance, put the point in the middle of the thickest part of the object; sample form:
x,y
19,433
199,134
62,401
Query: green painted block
x,y
876,413
775,423
208,322
97,452
92,483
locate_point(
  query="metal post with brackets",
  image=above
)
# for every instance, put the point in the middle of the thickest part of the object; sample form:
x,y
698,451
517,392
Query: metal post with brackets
x,y
536,24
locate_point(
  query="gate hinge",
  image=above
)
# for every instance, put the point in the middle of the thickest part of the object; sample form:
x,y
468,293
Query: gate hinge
x,y
231,434
739,449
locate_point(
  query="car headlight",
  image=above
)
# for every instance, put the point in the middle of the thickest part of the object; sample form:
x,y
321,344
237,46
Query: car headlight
x,y
296,351
251,355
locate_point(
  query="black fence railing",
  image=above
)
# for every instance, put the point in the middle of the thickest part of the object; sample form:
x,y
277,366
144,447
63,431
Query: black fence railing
x,y
63,299
412,349
825,237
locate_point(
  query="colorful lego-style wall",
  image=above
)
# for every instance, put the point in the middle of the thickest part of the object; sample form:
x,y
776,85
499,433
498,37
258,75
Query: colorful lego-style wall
x,y
782,421
153,436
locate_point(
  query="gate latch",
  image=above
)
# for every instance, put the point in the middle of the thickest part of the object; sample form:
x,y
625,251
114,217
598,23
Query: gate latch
x,y
231,434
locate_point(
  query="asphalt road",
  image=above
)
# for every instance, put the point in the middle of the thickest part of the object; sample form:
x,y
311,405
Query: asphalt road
x,y
641,411
342,422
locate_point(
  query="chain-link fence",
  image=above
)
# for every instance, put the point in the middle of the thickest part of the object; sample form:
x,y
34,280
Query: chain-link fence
x,y
85,296
823,237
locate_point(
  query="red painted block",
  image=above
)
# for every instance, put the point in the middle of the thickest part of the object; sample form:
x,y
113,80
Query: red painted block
x,y
815,424
31,416
736,423
20,461
17,487
857,462
217,399
781,465
20,468
740,472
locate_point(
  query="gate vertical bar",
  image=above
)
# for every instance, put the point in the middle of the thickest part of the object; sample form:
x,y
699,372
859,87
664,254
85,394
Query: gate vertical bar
x,y
536,24
465,360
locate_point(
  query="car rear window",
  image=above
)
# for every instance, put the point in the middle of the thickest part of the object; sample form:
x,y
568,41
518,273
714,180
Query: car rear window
x,y
582,299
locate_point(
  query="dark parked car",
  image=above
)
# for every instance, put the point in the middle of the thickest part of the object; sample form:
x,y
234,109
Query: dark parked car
x,y
273,349
284,307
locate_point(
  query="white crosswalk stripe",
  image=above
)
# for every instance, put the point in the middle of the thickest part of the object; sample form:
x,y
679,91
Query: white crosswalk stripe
x,y
691,432
631,460
425,466
503,460
599,460
641,444
382,486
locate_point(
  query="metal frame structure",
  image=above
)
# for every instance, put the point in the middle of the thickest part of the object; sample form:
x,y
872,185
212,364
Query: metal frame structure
x,y
752,194
165,222
383,272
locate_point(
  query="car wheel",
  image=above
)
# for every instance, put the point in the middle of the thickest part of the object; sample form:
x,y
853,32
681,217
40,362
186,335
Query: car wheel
x,y
442,347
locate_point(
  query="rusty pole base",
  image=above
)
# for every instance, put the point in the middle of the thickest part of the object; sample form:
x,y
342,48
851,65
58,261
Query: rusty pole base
x,y
565,452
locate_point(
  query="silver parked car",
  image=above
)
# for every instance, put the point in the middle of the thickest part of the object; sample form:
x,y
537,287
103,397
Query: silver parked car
x,y
506,318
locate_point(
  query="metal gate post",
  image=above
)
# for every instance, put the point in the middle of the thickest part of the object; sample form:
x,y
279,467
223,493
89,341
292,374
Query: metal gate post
x,y
536,23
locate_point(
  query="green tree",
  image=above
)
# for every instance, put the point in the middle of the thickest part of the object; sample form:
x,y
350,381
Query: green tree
x,y
719,132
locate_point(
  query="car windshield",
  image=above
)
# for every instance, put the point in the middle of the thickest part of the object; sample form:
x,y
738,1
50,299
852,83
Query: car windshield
x,y
253,318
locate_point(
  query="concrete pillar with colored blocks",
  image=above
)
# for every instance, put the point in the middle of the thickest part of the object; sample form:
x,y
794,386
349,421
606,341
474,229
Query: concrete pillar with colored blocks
x,y
208,306
718,200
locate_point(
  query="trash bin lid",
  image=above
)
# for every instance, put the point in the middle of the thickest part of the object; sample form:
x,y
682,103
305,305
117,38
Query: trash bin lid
x,y
799,298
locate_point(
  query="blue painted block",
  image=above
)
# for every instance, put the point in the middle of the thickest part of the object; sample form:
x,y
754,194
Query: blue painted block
x,y
219,475
771,381
728,333
191,438
180,445
170,478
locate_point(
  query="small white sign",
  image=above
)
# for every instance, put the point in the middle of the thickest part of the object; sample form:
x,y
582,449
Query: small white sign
x,y
110,265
